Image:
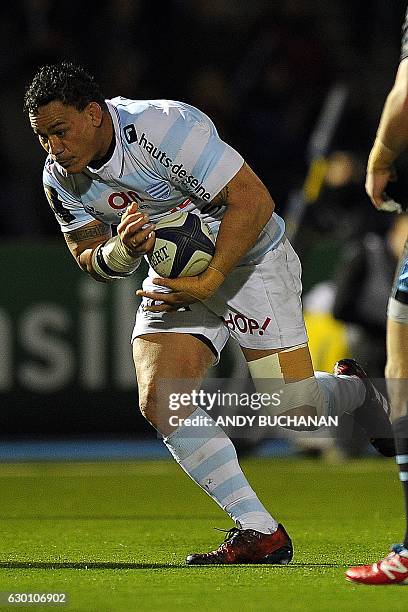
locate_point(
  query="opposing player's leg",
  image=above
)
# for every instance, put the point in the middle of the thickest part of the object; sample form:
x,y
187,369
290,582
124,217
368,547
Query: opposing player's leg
x,y
203,450
394,568
265,316
396,371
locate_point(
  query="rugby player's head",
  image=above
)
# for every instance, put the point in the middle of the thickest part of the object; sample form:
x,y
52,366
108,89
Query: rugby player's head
x,y
68,112
69,83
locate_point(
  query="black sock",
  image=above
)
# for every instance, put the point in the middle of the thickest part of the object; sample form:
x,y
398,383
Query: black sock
x,y
400,427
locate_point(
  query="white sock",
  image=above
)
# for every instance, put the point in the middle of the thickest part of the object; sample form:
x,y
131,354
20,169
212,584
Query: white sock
x,y
342,393
209,458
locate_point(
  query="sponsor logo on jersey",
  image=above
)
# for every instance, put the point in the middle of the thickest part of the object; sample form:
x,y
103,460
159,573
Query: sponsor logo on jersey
x,y
130,133
189,181
159,191
122,199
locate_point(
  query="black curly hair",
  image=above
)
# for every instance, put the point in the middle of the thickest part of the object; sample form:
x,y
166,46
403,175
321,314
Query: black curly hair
x,y
67,82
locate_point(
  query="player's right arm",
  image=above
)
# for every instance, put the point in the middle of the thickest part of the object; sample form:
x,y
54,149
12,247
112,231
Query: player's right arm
x,y
105,257
97,252
83,241
392,134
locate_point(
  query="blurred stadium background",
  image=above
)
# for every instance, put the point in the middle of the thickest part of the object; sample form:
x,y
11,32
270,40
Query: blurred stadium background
x,y
263,70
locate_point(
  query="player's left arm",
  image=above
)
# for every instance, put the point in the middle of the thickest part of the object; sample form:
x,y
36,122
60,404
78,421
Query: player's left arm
x,y
391,139
249,207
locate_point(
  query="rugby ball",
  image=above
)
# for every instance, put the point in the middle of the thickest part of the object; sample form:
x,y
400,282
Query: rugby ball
x,y
184,245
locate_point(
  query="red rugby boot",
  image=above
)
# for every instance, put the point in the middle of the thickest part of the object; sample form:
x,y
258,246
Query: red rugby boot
x,y
248,546
391,570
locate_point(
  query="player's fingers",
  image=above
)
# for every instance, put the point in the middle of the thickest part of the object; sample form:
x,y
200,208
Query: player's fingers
x,y
139,218
142,244
377,201
163,282
375,196
136,227
375,185
136,240
158,297
131,209
125,222
161,308
149,243
175,284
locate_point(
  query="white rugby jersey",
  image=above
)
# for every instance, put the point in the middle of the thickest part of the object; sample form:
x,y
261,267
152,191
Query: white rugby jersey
x,y
167,156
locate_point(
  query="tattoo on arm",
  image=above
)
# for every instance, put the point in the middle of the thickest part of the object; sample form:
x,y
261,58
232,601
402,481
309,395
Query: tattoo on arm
x,y
87,233
222,196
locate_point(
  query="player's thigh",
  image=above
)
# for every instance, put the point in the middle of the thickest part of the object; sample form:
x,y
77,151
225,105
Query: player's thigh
x,y
170,356
263,301
266,319
397,349
168,363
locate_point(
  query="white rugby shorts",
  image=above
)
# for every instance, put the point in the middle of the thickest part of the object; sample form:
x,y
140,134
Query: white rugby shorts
x,y
258,304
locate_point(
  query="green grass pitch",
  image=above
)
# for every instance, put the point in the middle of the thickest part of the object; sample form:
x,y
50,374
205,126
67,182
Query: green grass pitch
x,y
114,536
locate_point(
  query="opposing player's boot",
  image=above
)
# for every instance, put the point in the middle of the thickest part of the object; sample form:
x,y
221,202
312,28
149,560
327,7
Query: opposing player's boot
x,y
248,546
373,415
391,570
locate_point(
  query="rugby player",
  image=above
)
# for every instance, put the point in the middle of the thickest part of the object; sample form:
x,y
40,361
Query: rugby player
x,y
390,142
126,163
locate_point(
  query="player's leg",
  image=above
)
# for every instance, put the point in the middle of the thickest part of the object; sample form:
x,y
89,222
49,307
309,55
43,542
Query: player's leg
x,y
394,568
397,384
168,363
302,392
265,316
396,372
203,450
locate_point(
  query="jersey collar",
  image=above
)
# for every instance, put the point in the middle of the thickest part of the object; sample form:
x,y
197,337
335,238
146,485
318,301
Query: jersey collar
x,y
113,168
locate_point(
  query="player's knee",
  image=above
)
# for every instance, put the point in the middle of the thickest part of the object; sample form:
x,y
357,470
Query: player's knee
x,y
396,368
397,388
399,407
148,403
147,412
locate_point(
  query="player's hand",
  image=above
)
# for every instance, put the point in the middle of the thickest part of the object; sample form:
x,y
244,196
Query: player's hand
x,y
184,291
137,239
376,184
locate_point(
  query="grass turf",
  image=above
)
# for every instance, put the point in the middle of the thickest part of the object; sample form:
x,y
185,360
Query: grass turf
x,y
113,536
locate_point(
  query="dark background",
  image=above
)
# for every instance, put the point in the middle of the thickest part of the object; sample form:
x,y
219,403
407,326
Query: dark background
x,y
260,69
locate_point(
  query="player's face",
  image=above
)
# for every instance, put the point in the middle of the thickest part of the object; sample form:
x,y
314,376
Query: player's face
x,y
71,137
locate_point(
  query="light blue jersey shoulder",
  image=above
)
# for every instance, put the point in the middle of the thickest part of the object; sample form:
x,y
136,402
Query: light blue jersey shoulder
x,y
168,155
